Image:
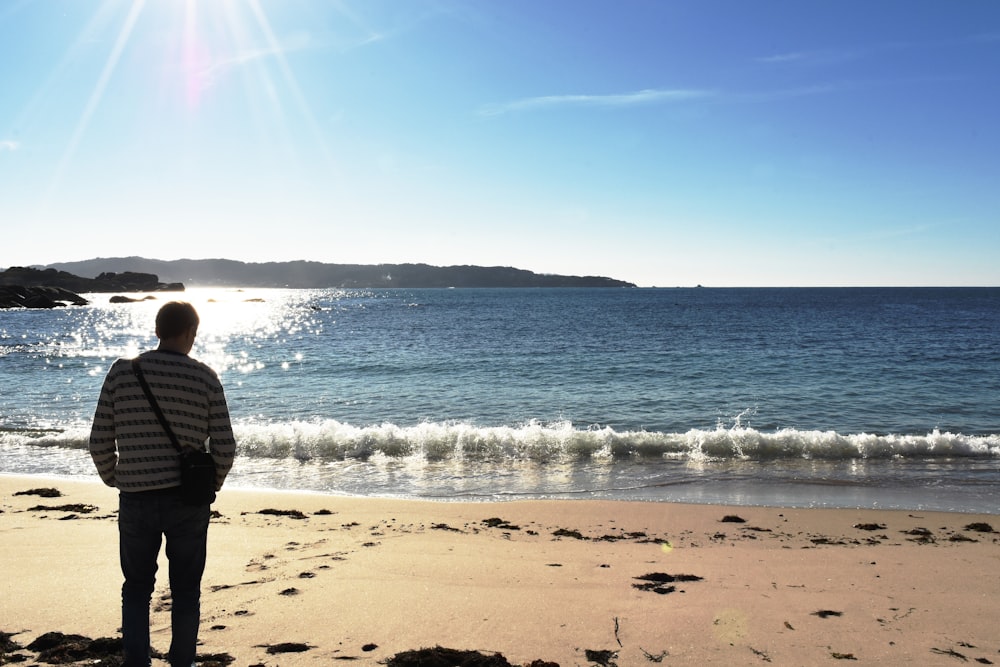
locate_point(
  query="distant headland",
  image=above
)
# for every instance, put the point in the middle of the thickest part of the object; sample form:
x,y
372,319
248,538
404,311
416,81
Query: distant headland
x,y
59,284
303,274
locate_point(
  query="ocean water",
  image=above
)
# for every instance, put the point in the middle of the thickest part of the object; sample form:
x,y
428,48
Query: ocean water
x,y
824,397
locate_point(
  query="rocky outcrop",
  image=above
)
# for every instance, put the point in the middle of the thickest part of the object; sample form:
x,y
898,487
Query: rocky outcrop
x,y
19,296
22,287
128,281
120,298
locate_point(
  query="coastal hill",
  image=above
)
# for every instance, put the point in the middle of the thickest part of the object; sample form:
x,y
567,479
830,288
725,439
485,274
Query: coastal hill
x,y
303,274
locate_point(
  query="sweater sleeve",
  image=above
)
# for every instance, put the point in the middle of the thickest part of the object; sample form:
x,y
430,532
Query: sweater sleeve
x,y
102,434
221,441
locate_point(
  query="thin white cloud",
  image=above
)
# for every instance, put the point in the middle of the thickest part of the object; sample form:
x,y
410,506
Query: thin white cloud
x,y
658,96
839,55
371,39
986,37
647,96
9,145
820,57
782,58
211,74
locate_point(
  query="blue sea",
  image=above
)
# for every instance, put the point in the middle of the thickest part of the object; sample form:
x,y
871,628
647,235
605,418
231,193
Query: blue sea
x,y
826,397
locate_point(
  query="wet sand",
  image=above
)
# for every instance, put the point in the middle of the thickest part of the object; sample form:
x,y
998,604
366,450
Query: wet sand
x,y
300,579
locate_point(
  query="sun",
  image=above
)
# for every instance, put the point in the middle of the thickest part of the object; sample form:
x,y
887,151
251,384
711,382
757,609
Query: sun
x,y
198,45
173,100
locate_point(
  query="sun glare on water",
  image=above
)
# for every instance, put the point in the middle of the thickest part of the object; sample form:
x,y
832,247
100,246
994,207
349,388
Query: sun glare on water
x,y
249,316
233,323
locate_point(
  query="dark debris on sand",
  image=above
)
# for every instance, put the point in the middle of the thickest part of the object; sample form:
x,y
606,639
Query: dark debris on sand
x,y
42,492
56,648
446,657
445,527
603,658
565,532
656,582
7,644
285,647
979,527
294,514
82,508
920,535
9,649
870,526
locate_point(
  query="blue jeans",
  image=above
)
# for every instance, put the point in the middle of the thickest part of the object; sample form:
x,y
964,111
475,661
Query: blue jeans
x,y
143,518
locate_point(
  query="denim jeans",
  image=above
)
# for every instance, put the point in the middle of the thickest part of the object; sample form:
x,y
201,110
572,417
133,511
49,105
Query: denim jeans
x,y
143,519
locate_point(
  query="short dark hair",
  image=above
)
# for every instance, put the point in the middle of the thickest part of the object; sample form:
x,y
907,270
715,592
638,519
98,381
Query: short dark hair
x,y
175,318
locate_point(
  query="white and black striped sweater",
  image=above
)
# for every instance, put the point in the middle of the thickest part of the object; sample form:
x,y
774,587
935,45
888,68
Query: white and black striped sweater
x,y
130,448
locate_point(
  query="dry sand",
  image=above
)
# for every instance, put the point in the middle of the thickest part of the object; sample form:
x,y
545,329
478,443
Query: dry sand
x,y
299,579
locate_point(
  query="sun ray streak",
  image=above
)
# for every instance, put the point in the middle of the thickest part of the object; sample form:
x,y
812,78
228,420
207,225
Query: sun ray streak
x,y
192,86
95,97
291,82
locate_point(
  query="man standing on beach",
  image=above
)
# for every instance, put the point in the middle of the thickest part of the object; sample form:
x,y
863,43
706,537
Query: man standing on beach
x,y
134,454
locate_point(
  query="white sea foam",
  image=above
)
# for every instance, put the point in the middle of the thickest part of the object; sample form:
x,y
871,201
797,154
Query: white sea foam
x,y
560,441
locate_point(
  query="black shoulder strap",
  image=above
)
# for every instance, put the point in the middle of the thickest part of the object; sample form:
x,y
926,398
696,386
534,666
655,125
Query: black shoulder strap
x,y
155,405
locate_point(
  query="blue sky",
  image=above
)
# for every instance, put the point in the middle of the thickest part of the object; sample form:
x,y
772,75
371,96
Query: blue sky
x,y
665,143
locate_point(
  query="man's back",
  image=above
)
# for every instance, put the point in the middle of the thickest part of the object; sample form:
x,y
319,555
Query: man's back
x,y
192,399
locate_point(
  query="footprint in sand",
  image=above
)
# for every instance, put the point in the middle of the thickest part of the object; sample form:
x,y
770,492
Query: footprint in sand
x,y
730,625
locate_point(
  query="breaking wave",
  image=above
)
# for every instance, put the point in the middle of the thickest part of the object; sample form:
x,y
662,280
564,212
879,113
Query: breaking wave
x,y
332,440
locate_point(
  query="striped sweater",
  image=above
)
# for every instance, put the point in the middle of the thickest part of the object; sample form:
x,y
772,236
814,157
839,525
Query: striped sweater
x,y
130,448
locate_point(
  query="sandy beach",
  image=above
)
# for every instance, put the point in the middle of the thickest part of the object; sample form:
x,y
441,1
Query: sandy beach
x,y
299,579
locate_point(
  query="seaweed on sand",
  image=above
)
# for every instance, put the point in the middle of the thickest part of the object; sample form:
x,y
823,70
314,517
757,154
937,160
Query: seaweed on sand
x,y
446,657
